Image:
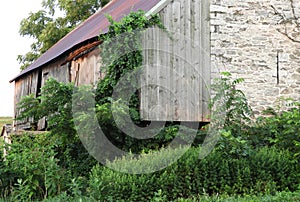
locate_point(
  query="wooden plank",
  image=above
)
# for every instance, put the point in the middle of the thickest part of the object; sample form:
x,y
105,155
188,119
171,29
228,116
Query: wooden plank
x,y
205,43
57,71
185,59
198,58
182,80
164,101
188,68
24,87
81,50
143,78
88,66
168,64
151,75
177,46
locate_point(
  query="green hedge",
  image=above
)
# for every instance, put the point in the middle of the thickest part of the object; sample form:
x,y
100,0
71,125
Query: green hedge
x,y
267,170
278,197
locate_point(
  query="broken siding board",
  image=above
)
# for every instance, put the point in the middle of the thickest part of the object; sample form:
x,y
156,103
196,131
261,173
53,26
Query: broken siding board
x,y
82,50
188,106
85,70
97,65
89,67
74,72
151,73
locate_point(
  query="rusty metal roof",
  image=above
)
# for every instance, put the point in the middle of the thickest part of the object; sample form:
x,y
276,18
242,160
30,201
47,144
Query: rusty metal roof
x,y
89,29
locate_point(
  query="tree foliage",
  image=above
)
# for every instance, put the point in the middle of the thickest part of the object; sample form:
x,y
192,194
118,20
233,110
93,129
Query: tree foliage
x,y
52,22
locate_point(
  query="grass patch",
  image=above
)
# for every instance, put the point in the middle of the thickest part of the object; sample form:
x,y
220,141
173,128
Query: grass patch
x,y
5,120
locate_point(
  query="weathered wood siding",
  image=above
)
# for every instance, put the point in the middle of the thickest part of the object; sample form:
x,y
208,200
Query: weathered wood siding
x,y
57,71
24,86
85,70
176,79
32,83
82,70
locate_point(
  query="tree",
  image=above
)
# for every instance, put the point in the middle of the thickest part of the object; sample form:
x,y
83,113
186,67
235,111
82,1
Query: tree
x,y
290,22
54,21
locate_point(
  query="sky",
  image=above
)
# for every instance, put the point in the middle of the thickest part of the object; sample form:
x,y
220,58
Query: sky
x,y
12,45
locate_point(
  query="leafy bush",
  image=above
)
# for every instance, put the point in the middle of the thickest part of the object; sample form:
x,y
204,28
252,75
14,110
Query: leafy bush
x,y
55,103
278,197
264,171
280,129
231,116
31,168
230,101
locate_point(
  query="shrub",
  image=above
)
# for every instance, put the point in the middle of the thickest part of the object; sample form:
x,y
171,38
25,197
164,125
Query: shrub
x,y
55,103
31,168
278,197
282,130
264,171
230,102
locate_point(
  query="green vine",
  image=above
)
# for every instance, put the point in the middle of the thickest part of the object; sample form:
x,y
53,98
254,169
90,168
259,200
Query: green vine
x,y
121,53
121,50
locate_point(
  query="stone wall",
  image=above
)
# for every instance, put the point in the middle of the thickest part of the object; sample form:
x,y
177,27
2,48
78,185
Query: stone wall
x,y
246,42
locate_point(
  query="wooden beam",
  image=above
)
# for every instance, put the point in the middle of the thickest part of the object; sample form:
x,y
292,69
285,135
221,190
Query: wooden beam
x,y
81,50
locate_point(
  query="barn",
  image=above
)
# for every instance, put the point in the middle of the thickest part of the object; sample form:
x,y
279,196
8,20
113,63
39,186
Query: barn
x,y
209,37
76,58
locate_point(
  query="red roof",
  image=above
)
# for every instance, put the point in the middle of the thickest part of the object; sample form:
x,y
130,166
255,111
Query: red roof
x,y
90,28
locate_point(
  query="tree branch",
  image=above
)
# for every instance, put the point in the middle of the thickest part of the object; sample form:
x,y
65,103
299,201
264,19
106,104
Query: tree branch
x,y
284,20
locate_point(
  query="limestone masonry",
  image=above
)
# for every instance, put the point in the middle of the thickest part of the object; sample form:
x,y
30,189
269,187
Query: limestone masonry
x,y
246,42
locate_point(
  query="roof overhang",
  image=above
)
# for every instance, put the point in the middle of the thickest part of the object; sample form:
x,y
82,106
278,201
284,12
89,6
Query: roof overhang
x,y
92,27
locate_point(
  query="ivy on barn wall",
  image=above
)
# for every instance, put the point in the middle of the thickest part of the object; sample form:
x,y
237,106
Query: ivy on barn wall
x,y
122,37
